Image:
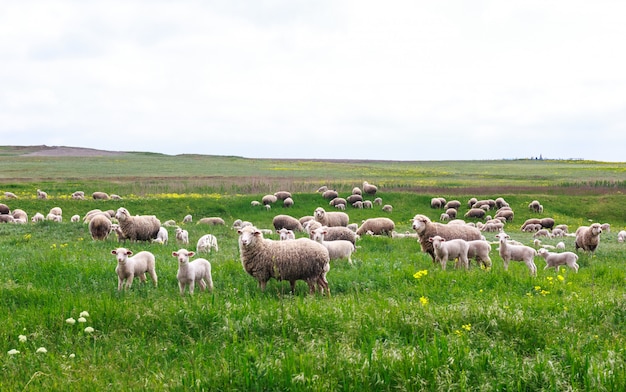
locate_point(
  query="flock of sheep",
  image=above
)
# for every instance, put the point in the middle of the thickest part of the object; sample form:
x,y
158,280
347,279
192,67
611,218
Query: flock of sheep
x,y
329,236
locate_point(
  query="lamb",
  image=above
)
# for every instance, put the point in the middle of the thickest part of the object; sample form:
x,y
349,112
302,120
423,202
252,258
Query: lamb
x,y
206,243
387,208
78,195
38,217
378,201
255,203
557,259
10,195
268,199
288,202
301,259
444,217
522,253
19,216
100,196
335,233
288,222
621,236
130,267
369,189
75,218
357,204
450,250
479,251
426,229
212,220
100,227
588,237
188,218
337,249
542,233
286,234
137,228
182,235
367,204
331,218
41,194
192,272
163,236
378,226
606,227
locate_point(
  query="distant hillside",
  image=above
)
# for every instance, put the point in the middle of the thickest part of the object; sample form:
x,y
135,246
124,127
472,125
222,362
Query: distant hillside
x,y
55,151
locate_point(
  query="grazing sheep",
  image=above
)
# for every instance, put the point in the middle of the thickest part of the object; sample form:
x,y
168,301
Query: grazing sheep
x,y
588,238
335,233
507,214
535,206
353,227
56,211
163,236
357,191
6,218
255,203
367,204
378,226
100,196
606,227
387,208
301,259
449,250
4,209
452,204
54,218
192,272
435,202
41,194
357,204
621,236
522,253
188,218
78,195
137,228
331,218
38,217
206,243
492,226
556,232
288,222
116,197
182,235
542,233
19,216
10,195
269,199
557,259
479,250
471,202
369,189
130,267
354,198
267,207
75,218
100,227
451,213
426,229
286,234
378,201
475,213
288,202
330,194
560,245
337,249
322,189
444,217
337,201
341,207
500,202
282,195
169,222
212,220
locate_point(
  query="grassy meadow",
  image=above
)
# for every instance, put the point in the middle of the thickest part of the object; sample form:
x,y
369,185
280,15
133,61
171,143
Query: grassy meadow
x,y
395,321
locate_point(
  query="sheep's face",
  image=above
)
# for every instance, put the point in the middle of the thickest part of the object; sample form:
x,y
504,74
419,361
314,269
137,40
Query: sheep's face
x,y
319,214
183,256
596,229
436,241
419,223
121,214
502,236
121,254
248,235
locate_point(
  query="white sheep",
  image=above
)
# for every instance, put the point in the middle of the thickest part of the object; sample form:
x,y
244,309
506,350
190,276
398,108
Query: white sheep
x,y
130,267
557,259
621,236
588,237
138,227
479,251
560,245
387,208
182,235
446,250
41,194
331,218
75,218
162,236
206,243
286,234
10,195
192,272
38,217
188,218
337,249
522,253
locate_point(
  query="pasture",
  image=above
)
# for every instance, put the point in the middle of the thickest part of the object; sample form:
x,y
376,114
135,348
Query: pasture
x,y
395,321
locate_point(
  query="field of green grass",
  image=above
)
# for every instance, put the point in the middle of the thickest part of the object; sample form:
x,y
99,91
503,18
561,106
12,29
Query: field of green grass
x,y
395,321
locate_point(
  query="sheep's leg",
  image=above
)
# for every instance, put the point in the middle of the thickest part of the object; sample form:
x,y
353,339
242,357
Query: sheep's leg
x,y
142,277
120,283
292,283
129,281
181,287
191,286
202,284
153,275
506,264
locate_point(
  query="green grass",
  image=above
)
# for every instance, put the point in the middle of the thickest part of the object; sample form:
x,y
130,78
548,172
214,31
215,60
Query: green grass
x,y
382,329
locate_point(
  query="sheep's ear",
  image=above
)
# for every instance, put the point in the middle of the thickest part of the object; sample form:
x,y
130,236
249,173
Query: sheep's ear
x,y
114,252
430,239
175,254
129,253
191,254
257,232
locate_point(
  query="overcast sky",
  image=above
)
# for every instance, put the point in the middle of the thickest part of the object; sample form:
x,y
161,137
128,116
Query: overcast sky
x,y
405,80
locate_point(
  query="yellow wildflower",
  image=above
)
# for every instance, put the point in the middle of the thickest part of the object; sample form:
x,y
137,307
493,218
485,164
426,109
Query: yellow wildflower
x,y
423,301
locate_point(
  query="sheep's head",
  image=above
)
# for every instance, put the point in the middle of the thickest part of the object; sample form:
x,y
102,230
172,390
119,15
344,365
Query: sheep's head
x,y
121,254
248,235
183,255
420,222
319,213
437,241
596,229
502,236
121,214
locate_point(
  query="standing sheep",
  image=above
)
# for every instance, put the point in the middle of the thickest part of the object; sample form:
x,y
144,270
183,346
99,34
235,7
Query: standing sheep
x,y
287,222
282,195
41,194
450,250
206,242
331,218
337,249
301,259
137,228
100,196
192,272
163,236
557,259
269,199
588,238
522,253
130,267
378,226
288,202
479,250
475,213
621,236
425,229
182,235
335,233
369,189
188,218
100,227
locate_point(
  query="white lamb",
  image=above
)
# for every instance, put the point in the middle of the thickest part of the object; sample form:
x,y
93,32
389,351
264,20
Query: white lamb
x,y
38,217
621,236
192,272
337,249
129,267
450,250
182,235
522,253
557,259
162,236
286,234
205,243
187,219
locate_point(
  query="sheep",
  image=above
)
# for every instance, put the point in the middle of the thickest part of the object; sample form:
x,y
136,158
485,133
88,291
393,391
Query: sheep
x,y
287,222
449,250
406,234
560,245
19,216
188,218
369,189
163,236
535,206
337,249
556,232
479,251
358,204
621,236
38,217
192,272
116,197
557,259
500,202
137,228
267,207
475,213
507,214
455,204
322,189
169,222
563,227
182,235
588,238
354,198
212,220
378,226
335,233
75,218
341,207
135,266
286,234
282,195
206,243
378,201
331,218
357,191
268,199
542,233
54,218
56,211
255,203
606,227
100,227
451,213
338,201
301,259
307,218
10,195
471,202
435,202
288,202
444,217
485,204
41,194
4,209
426,229
368,204
387,208
492,226
6,218
522,253
78,195
100,196
330,194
